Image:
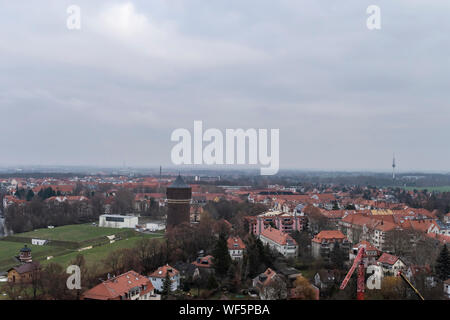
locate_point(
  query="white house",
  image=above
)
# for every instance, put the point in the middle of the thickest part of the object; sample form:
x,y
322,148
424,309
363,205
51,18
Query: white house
x,y
157,277
447,288
117,221
236,248
391,264
279,241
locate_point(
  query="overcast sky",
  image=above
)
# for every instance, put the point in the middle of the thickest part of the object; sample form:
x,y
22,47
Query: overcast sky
x,y
343,96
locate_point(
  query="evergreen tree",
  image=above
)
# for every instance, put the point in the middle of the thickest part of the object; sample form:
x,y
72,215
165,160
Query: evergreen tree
x,y
222,259
338,256
167,285
30,195
335,205
443,264
212,282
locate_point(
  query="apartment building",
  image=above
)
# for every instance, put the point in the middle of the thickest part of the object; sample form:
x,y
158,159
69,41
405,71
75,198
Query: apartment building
x,y
279,241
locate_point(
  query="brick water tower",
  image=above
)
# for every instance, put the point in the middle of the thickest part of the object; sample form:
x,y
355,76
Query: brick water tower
x,y
178,203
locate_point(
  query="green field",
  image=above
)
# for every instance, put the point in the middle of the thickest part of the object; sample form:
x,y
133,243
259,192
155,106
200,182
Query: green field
x,y
98,254
75,233
67,240
9,249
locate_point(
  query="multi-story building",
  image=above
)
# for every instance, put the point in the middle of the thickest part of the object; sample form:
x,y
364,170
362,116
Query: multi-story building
x,y
236,248
279,241
127,286
286,222
371,253
324,242
158,277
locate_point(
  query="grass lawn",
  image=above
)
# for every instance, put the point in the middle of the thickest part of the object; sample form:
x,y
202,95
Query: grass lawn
x,y
97,254
9,249
75,233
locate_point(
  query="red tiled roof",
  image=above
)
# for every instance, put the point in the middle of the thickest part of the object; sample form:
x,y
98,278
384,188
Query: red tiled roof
x,y
329,235
277,236
440,237
388,258
204,262
367,245
116,287
162,271
235,243
266,277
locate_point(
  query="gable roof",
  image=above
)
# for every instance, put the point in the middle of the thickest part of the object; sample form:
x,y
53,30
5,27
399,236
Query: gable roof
x,y
235,243
162,271
266,277
26,267
278,236
329,235
387,258
118,286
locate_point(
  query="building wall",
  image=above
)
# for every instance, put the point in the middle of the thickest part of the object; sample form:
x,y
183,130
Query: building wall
x,y
14,276
178,206
285,250
158,283
128,222
236,254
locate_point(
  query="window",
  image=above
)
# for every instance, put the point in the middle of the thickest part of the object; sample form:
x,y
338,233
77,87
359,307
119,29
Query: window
x,y
115,219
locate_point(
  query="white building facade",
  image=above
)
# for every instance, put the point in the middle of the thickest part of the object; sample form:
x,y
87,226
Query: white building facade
x,y
117,221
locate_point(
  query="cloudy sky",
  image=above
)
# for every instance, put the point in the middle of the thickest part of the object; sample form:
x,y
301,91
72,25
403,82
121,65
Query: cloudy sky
x,y
343,96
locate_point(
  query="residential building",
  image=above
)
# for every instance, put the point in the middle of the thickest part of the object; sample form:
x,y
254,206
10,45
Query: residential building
x,y
324,242
447,288
324,279
236,248
159,276
371,253
279,241
204,262
270,285
24,273
390,264
127,286
284,221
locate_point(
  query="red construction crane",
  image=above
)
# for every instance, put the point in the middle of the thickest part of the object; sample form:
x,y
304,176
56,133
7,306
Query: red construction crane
x,y
358,262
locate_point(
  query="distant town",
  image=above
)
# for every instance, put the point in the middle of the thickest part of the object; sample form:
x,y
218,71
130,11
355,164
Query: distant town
x,y
228,235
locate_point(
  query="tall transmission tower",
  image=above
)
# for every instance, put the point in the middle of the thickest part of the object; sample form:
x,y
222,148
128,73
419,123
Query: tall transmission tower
x,y
159,180
393,167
